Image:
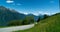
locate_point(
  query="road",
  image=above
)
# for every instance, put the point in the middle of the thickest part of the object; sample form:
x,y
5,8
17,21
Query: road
x,y
16,28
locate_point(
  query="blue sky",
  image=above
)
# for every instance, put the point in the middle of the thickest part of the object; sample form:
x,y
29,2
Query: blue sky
x,y
35,7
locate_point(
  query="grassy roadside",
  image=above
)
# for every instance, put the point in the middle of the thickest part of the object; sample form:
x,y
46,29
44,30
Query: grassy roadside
x,y
51,24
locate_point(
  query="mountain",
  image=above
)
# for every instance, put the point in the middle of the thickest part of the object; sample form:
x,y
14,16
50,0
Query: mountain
x,y
50,24
7,15
36,17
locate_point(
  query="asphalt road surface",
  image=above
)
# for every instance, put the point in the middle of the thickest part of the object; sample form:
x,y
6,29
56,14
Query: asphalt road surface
x,y
16,28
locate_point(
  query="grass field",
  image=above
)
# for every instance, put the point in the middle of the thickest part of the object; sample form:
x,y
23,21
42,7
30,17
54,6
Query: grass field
x,y
51,24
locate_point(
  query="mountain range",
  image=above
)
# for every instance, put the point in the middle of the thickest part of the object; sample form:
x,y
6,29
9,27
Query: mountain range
x,y
7,15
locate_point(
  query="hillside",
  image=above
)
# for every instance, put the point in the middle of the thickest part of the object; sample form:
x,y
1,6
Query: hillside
x,y
7,15
51,24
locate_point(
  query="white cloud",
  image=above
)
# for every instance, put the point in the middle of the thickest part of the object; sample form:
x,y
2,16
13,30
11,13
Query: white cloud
x,y
9,1
41,12
26,13
23,12
47,13
35,14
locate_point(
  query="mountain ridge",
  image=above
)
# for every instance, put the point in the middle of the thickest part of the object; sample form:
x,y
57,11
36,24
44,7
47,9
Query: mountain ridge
x,y
7,15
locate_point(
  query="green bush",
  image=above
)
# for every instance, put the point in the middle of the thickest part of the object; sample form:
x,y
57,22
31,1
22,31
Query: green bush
x,y
15,23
